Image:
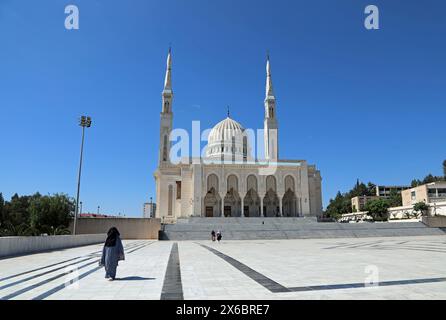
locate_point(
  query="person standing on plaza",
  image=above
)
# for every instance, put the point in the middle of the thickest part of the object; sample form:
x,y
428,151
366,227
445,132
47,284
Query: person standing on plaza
x,y
213,235
218,235
112,253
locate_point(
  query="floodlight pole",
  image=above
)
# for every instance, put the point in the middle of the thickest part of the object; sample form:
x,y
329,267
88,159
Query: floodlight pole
x,y
85,122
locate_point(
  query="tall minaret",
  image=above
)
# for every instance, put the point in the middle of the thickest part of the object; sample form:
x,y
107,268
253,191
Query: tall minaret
x,y
166,114
270,124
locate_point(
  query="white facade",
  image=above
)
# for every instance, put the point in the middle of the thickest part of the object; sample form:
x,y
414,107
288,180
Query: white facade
x,y
228,181
149,210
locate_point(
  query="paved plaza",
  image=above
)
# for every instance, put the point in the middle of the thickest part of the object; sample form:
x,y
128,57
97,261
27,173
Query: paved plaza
x,y
405,268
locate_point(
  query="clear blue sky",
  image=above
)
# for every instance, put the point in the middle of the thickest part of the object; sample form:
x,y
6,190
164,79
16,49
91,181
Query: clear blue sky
x,y
357,103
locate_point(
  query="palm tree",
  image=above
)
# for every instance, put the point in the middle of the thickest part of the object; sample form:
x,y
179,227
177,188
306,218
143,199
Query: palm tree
x,y
22,230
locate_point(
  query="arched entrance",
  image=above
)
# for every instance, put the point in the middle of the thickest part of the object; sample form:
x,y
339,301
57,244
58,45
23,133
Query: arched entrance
x,y
232,201
271,200
251,204
232,204
289,201
212,203
289,204
271,204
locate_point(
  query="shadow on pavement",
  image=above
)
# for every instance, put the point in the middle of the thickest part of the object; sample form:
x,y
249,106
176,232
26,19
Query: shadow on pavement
x,y
134,278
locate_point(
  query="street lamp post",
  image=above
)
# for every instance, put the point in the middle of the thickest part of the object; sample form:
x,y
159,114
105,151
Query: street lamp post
x,y
84,122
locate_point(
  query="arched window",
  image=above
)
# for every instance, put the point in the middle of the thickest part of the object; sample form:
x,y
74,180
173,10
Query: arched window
x,y
252,182
271,183
165,148
245,147
170,201
212,182
232,183
289,183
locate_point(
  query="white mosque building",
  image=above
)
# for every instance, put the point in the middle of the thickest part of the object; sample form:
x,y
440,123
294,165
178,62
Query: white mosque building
x,y
227,181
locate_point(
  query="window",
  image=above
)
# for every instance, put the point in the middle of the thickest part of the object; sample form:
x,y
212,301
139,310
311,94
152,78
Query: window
x,y
413,195
169,201
165,149
178,189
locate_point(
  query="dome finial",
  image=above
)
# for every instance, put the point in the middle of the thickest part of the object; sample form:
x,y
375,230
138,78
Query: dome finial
x,y
228,111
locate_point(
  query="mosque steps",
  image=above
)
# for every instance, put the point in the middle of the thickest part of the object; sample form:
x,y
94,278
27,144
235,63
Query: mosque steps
x,y
288,228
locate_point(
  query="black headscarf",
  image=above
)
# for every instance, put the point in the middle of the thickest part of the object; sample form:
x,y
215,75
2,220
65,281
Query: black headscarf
x,y
112,235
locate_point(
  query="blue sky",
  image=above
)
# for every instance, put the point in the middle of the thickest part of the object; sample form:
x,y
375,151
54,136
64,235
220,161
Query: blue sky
x,y
357,103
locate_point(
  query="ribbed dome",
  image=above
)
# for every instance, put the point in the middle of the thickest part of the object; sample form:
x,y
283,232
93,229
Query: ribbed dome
x,y
225,130
226,139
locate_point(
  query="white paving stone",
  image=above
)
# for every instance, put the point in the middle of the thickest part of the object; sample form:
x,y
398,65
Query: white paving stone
x,y
291,263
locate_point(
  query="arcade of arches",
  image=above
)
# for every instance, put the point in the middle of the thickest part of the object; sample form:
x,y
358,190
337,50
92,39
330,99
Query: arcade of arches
x,y
252,204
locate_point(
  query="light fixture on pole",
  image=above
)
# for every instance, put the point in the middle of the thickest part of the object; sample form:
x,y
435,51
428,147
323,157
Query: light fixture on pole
x,y
84,122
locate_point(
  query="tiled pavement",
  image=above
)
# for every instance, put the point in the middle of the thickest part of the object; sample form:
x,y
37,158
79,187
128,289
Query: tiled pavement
x,y
403,267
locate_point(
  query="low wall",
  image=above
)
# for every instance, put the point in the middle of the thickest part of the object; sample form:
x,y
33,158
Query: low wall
x,y
435,222
13,246
437,209
129,228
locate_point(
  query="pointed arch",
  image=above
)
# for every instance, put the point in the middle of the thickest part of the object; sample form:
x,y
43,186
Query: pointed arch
x,y
289,183
232,182
212,204
251,183
165,148
170,201
271,183
212,182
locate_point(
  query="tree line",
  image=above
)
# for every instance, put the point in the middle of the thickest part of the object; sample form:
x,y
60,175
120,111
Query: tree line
x,y
34,215
341,204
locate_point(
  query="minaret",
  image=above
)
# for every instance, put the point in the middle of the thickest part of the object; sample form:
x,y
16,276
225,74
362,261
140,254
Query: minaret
x,y
166,114
270,124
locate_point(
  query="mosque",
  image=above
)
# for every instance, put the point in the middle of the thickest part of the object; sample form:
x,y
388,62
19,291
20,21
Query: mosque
x,y
227,180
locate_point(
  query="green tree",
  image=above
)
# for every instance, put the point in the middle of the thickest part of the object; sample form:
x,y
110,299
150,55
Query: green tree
x,y
47,213
378,209
421,207
342,204
395,199
7,229
16,210
416,183
339,205
429,178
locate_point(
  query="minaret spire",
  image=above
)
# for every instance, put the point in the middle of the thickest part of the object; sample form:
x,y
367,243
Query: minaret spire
x,y
269,81
270,123
166,114
168,78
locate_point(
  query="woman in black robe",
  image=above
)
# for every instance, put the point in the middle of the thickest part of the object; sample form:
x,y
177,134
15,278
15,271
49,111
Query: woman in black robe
x,y
112,253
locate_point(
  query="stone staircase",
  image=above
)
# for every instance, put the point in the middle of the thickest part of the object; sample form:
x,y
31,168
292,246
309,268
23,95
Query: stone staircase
x,y
288,228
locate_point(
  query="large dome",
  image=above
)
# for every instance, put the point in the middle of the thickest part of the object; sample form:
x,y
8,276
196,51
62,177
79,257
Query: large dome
x,y
226,139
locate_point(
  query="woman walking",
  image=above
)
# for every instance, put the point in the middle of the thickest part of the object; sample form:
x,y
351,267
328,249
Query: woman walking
x,y
112,253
